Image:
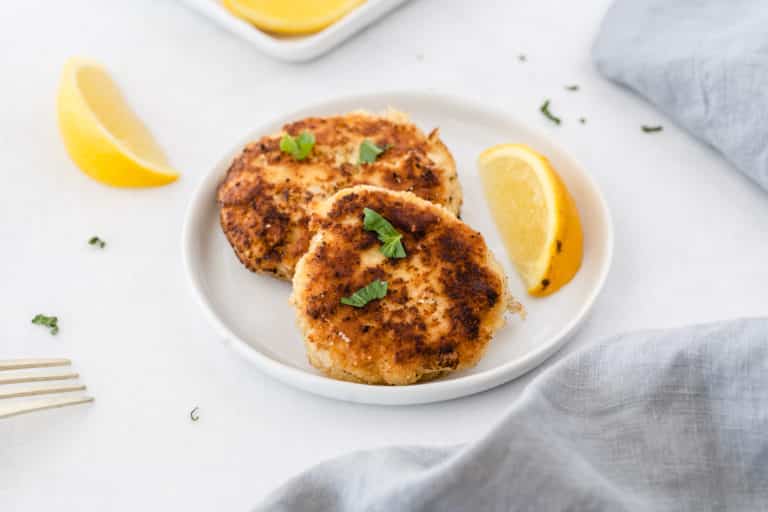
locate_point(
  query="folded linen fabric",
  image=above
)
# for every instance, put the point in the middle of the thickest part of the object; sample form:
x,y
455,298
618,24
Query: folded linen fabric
x,y
702,62
658,420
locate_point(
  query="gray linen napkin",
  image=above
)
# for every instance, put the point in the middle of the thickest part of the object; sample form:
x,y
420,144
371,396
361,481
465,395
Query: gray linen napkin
x,y
658,420
702,62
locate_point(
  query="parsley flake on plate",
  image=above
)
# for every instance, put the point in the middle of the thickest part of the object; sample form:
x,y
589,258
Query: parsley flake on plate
x,y
651,129
97,242
51,322
392,244
376,290
369,152
545,110
298,147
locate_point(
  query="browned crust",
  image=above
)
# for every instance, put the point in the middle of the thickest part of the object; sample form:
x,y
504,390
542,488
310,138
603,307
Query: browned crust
x,y
445,299
267,197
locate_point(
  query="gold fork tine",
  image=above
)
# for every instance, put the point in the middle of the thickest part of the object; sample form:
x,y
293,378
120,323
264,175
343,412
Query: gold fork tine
x,y
37,378
23,364
41,391
39,405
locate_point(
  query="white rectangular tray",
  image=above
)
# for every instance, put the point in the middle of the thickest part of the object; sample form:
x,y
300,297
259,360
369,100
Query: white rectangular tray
x,y
296,49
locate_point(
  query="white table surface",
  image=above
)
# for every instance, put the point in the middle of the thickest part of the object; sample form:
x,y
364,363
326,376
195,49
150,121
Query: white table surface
x,y
691,238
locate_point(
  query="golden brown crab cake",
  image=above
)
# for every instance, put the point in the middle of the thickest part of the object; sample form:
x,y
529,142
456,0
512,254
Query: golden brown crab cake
x,y
267,197
444,302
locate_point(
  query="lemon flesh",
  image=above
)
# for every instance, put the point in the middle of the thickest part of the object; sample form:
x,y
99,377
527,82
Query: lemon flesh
x,y
291,17
535,215
101,133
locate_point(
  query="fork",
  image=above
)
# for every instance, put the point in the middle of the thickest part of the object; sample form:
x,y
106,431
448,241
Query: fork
x,y
21,407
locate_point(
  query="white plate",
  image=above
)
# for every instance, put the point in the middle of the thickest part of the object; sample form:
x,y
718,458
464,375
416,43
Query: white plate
x,y
301,48
252,313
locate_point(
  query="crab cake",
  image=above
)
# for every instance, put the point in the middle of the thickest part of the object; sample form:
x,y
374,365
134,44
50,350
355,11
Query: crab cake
x,y
444,300
267,197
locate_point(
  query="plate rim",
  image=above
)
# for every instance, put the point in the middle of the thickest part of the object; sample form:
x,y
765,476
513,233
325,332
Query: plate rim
x,y
433,391
301,48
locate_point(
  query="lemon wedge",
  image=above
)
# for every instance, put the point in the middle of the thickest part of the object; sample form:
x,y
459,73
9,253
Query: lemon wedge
x,y
101,133
291,17
535,214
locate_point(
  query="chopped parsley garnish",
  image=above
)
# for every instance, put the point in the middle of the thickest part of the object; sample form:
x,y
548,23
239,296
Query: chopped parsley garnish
x,y
97,242
545,110
522,57
369,152
298,147
193,414
651,129
376,290
583,120
573,87
391,240
48,321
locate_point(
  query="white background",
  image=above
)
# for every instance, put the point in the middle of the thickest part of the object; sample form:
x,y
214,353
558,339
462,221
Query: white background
x,y
691,238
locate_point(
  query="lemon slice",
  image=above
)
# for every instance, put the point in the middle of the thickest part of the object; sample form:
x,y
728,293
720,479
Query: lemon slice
x,y
101,133
535,214
291,17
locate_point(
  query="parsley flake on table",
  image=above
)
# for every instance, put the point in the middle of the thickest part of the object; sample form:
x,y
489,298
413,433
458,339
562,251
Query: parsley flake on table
x,y
392,244
51,322
376,290
572,88
298,147
97,242
369,152
652,129
545,110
